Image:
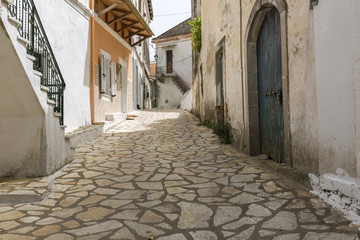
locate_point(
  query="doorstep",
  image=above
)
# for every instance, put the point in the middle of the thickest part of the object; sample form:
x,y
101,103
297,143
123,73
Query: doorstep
x,y
84,135
24,190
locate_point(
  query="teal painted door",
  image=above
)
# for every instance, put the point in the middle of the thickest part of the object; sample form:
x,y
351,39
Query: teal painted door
x,y
271,114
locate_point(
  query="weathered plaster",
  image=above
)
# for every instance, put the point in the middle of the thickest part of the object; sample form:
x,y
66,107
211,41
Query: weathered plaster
x,y
182,52
297,38
68,32
336,82
31,140
186,102
169,96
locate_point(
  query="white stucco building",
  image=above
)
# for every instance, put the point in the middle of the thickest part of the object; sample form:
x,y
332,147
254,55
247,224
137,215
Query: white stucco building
x,y
141,61
174,67
44,83
299,105
337,54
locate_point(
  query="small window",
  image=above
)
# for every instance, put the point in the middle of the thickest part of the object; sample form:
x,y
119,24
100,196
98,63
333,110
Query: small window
x,y
220,78
169,61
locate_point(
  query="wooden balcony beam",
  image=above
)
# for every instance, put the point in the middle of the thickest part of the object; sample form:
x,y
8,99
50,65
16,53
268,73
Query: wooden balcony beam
x,y
108,9
141,40
116,19
133,34
127,26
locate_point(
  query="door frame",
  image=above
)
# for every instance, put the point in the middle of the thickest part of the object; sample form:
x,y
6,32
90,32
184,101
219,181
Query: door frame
x,y
258,13
124,85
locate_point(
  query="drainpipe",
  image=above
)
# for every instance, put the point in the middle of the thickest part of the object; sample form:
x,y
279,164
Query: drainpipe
x,y
92,74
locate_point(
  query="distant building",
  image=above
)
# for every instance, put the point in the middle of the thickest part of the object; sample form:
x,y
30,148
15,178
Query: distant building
x,y
174,67
142,86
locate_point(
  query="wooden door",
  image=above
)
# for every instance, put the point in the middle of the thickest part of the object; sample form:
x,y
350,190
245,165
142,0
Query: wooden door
x,y
271,114
169,61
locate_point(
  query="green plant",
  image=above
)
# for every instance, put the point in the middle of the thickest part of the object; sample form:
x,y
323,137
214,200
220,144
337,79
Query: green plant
x,y
196,33
221,130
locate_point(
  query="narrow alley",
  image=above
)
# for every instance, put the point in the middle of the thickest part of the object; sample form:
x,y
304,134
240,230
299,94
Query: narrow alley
x,y
163,176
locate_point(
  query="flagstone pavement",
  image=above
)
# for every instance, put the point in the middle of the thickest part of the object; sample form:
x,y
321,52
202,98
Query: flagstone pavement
x,y
165,177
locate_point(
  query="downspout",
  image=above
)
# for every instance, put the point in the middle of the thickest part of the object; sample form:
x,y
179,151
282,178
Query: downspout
x,y
92,74
242,74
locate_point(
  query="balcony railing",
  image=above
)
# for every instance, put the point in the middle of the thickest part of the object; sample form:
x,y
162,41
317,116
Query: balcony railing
x,y
32,30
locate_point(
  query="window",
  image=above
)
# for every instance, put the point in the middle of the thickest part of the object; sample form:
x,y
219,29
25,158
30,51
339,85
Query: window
x,y
169,61
220,78
108,74
140,4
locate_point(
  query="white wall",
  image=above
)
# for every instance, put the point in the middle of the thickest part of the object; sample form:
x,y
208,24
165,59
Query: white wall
x,y
337,42
169,96
186,102
31,140
67,28
337,48
182,58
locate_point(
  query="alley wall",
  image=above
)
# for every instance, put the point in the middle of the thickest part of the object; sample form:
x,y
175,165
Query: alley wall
x,y
182,57
225,24
67,24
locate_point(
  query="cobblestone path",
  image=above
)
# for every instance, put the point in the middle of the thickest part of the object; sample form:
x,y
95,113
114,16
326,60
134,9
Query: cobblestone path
x,y
163,177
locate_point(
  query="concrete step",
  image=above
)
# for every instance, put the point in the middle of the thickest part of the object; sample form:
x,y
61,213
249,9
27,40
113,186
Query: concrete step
x,y
44,88
9,2
14,21
83,135
23,41
31,57
37,73
24,190
51,102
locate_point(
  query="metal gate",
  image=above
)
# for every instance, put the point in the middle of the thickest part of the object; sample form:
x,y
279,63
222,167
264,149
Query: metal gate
x,y
271,113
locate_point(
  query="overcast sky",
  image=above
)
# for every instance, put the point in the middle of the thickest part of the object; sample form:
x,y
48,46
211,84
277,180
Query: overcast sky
x,y
167,14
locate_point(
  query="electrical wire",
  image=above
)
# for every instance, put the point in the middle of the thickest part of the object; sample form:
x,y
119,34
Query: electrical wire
x,y
173,14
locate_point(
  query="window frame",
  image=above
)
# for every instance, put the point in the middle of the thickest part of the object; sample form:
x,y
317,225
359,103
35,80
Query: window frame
x,y
108,75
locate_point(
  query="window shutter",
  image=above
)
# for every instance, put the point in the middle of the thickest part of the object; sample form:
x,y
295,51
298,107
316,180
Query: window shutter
x,y
118,75
113,79
108,75
102,74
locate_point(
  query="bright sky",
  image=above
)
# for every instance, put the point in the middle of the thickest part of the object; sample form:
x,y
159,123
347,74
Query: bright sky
x,y
167,14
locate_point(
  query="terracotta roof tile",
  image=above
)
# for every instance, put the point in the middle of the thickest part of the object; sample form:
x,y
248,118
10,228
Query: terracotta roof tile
x,y
180,29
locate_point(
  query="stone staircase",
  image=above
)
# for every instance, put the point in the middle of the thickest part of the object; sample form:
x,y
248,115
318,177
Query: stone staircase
x,y
179,82
34,137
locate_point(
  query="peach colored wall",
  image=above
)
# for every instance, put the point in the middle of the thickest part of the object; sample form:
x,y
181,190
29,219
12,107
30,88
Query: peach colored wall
x,y
105,41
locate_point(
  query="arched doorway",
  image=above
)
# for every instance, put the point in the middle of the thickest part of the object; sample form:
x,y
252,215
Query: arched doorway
x,y
271,113
267,81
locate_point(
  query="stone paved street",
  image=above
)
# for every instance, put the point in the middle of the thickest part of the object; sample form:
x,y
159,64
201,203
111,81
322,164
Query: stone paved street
x,y
164,177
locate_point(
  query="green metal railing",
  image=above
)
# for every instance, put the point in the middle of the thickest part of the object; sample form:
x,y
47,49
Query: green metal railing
x,y
32,30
